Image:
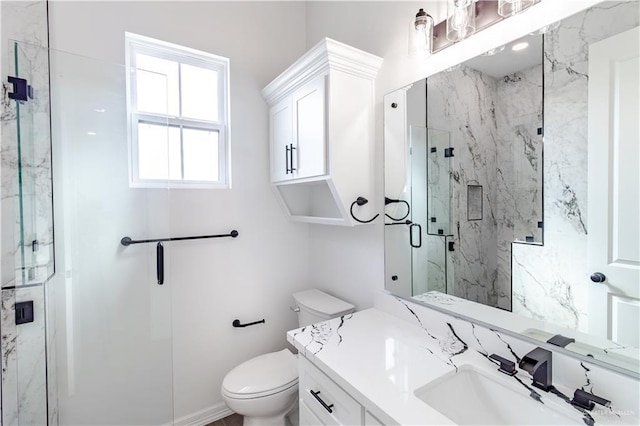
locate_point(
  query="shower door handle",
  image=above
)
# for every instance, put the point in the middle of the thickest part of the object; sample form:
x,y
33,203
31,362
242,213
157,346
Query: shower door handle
x,y
160,263
419,235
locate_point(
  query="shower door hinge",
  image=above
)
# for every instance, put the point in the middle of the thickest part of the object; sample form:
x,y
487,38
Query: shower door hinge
x,y
448,152
22,91
24,312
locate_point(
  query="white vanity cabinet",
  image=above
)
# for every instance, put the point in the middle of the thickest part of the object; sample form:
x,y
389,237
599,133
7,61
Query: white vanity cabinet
x,y
323,402
321,134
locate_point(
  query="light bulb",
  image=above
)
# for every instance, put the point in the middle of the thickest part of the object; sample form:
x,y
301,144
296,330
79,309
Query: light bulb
x,y
461,19
422,34
512,7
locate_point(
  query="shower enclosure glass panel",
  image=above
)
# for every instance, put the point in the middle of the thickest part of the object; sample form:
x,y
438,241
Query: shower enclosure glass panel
x,y
430,208
27,243
114,320
33,205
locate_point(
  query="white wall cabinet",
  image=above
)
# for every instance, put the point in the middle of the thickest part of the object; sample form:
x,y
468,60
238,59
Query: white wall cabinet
x,y
321,121
298,147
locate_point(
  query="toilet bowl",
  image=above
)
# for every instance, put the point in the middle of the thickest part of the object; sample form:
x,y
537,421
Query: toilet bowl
x,y
264,389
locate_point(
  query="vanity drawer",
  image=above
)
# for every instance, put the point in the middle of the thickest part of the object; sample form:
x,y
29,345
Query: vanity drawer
x,y
330,403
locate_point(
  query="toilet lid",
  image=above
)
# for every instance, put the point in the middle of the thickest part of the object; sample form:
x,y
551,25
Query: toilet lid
x,y
263,375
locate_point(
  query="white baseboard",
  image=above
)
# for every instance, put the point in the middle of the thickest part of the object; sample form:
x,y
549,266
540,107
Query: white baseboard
x,y
204,417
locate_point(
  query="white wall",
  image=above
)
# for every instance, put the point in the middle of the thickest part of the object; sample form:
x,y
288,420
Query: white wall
x,y
349,263
212,283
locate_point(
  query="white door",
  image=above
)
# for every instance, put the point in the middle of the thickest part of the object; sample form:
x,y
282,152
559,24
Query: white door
x,y
614,187
309,128
281,140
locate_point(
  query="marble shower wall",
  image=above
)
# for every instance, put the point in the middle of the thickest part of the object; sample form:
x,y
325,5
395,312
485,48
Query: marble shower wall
x,y
461,102
28,387
550,281
519,168
494,133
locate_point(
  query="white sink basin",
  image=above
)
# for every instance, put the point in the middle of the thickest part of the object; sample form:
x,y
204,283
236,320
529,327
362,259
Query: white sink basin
x,y
470,397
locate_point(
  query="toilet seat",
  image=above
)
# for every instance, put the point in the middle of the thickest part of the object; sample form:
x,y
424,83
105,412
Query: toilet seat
x,y
262,376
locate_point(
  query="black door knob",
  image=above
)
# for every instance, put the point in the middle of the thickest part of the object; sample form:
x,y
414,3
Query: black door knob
x,y
598,277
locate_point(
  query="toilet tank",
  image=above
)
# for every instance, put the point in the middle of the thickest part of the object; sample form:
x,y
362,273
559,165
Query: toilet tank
x,y
315,306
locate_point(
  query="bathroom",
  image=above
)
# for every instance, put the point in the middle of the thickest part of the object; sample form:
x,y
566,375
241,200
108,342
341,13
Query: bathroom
x,y
114,347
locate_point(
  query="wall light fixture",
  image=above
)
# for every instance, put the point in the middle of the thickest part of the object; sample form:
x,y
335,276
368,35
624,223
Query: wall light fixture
x,y
421,39
466,17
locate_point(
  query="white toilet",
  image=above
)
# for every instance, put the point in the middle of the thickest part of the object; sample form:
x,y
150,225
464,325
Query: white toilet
x,y
264,389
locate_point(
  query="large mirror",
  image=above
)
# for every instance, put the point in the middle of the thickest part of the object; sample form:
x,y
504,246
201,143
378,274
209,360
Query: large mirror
x,y
512,188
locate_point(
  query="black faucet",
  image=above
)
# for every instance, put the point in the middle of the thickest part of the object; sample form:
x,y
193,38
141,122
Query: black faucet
x,y
507,367
586,400
538,364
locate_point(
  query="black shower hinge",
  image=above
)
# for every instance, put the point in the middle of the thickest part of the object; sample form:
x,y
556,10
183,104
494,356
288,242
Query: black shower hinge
x,y
434,149
24,312
451,246
22,91
448,152
540,224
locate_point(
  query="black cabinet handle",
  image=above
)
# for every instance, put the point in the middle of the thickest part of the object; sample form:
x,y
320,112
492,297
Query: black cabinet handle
x,y
598,277
324,404
160,263
286,159
291,148
419,235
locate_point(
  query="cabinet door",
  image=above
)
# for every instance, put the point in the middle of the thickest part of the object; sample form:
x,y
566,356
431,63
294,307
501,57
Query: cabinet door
x,y
326,400
307,418
309,105
281,139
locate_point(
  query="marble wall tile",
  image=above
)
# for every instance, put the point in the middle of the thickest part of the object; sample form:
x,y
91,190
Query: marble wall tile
x,y
549,282
461,102
494,133
24,381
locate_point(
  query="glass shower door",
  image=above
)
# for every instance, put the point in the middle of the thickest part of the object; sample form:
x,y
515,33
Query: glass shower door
x,y
114,319
27,240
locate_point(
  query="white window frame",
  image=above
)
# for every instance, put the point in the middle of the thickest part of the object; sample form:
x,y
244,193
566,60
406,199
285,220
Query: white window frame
x,y
140,44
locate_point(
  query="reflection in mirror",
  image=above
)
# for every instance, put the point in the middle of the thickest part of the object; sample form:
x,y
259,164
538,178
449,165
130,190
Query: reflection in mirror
x,y
479,195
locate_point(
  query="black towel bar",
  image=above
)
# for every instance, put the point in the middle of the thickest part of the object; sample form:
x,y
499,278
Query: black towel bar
x,y
127,241
236,323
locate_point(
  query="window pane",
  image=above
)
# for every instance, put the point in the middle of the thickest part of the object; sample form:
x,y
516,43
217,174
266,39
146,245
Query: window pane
x,y
199,93
200,150
158,152
157,87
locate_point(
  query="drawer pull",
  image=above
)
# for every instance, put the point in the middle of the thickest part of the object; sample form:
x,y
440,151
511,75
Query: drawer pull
x,y
324,404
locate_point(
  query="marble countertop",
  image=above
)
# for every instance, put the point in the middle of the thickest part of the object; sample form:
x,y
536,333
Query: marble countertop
x,y
381,360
